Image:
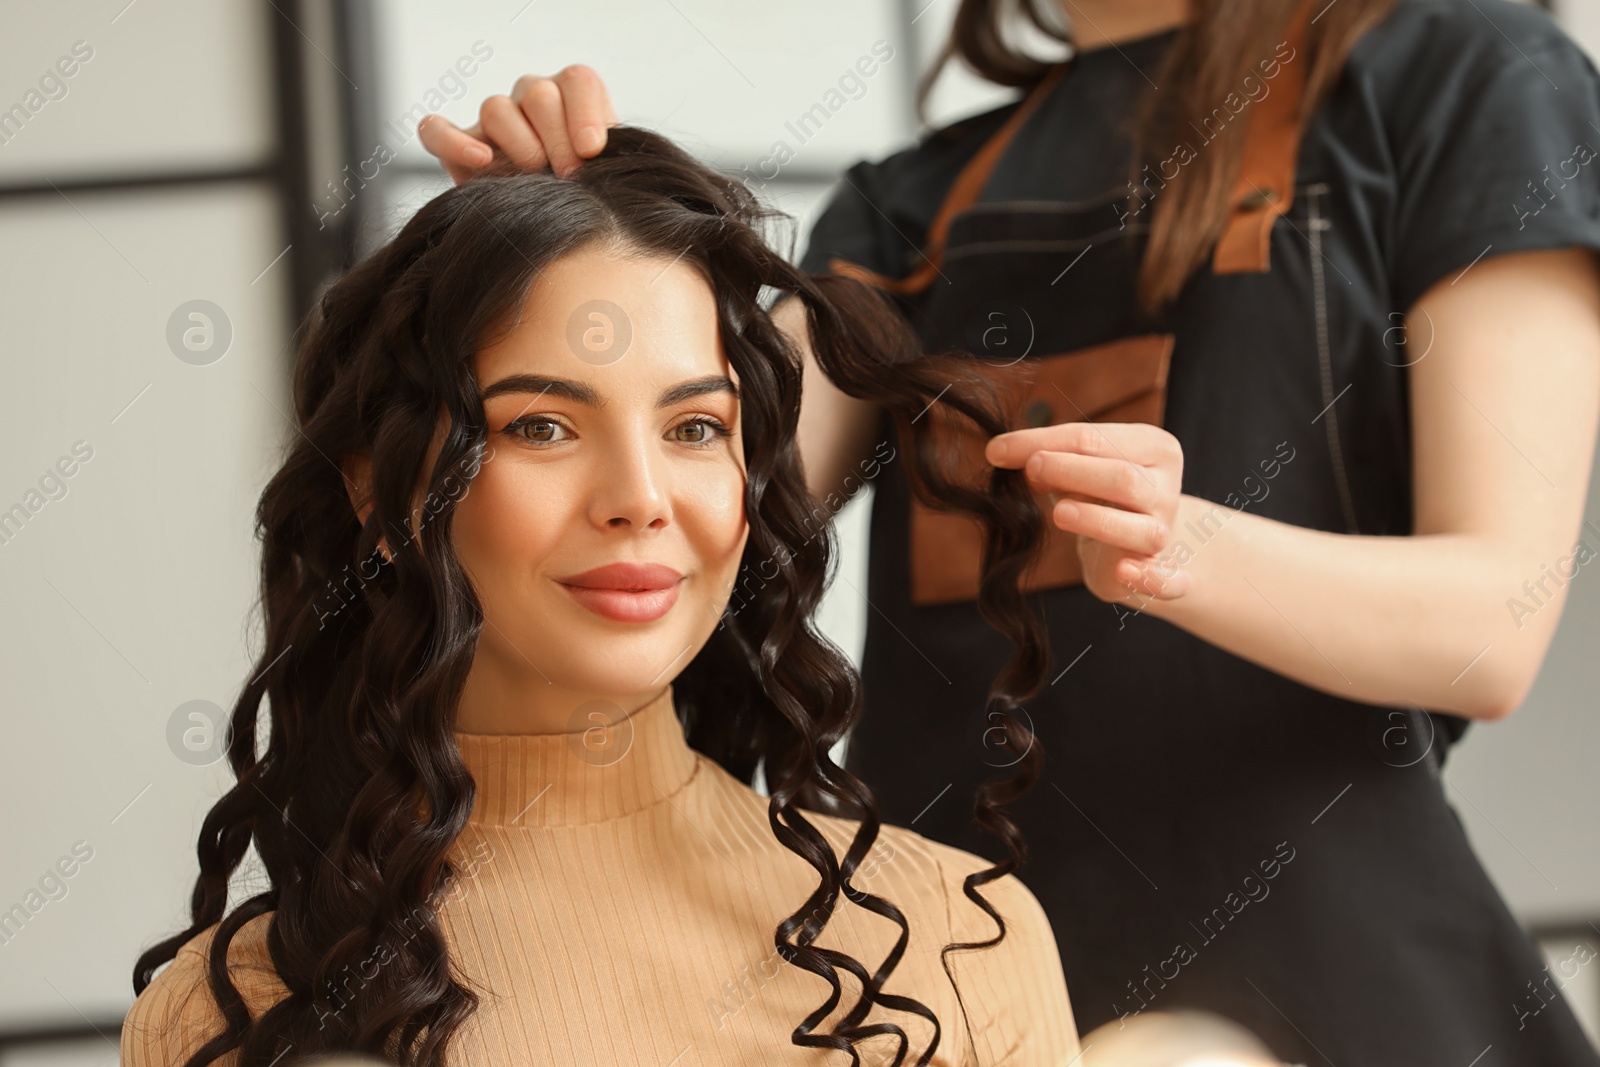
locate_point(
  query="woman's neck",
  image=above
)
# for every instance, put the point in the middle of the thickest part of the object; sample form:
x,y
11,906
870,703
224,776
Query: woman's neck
x,y
593,771
1101,23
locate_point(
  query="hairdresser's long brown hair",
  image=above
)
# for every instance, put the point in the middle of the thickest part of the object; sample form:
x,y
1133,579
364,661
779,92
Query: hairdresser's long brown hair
x,y
1213,55
360,792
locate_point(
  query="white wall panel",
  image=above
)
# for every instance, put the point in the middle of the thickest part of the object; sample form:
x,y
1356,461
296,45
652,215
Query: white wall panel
x,y
167,85
728,79
127,594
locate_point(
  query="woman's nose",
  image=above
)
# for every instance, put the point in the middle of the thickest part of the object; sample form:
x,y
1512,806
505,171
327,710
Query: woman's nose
x,y
632,484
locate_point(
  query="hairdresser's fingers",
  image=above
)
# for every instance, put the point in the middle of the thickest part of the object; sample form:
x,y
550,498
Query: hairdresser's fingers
x,y
1131,531
588,107
1113,480
1152,577
1137,442
506,125
544,110
461,151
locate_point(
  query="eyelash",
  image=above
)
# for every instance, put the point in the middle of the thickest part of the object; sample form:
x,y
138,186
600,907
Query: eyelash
x,y
718,428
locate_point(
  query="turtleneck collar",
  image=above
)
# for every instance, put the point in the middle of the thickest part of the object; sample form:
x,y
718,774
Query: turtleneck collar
x,y
586,776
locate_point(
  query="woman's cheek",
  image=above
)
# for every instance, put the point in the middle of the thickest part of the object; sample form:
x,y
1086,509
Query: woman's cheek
x,y
504,519
724,513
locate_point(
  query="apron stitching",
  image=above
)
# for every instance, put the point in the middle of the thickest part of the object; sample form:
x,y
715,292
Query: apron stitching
x,y
1039,244
1044,205
1317,224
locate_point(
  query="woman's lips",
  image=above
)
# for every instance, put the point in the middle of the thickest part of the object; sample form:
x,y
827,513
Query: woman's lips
x,y
625,605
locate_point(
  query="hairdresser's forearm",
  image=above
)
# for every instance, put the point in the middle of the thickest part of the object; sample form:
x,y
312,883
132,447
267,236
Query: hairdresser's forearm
x,y
835,431
1383,620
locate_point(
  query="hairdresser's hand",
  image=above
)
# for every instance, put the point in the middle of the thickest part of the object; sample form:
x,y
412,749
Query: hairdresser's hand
x,y
1118,485
557,122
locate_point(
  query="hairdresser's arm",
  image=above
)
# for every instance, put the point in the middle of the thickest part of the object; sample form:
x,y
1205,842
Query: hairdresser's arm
x,y
1503,412
558,122
836,429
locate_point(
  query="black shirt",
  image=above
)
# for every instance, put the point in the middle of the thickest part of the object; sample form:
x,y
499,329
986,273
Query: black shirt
x,y
1209,833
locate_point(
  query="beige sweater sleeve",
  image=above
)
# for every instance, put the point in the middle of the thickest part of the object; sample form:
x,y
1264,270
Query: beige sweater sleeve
x,y
176,1013
1015,992
173,1017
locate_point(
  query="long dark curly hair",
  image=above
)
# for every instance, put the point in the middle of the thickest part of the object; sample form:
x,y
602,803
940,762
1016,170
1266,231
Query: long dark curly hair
x,y
360,791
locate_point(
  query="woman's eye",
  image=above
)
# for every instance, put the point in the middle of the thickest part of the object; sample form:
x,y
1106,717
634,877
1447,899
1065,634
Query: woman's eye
x,y
707,431
701,432
535,429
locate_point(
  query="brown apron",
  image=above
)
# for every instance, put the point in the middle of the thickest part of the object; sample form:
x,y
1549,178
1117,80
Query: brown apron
x,y
1121,381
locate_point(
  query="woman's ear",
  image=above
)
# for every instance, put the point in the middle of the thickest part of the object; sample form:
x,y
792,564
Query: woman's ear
x,y
357,470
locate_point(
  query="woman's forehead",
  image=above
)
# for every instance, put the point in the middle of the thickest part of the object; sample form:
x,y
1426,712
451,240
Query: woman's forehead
x,y
621,322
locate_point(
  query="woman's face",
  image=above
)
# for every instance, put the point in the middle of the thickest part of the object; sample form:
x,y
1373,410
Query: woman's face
x,y
613,426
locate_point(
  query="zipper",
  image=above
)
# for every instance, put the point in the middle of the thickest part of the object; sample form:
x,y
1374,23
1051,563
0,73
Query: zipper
x,y
1319,287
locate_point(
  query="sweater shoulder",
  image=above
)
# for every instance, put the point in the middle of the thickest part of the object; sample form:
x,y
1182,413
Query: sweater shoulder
x,y
904,865
968,922
923,877
177,1013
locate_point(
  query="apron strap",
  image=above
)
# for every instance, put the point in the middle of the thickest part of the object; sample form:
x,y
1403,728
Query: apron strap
x,y
1265,187
1263,191
962,195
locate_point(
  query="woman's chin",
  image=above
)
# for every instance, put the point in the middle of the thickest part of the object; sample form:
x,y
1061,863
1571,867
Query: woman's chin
x,y
587,653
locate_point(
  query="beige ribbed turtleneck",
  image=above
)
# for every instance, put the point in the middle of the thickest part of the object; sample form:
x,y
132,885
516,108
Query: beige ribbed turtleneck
x,y
617,904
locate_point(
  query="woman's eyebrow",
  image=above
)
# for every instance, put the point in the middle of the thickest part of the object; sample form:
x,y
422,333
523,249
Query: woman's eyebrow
x,y
580,393
688,390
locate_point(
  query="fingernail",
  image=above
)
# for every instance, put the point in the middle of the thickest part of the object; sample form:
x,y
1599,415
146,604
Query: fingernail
x,y
588,139
1035,465
481,154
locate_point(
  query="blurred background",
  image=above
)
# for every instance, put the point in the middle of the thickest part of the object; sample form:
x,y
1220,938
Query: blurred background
x,y
171,207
